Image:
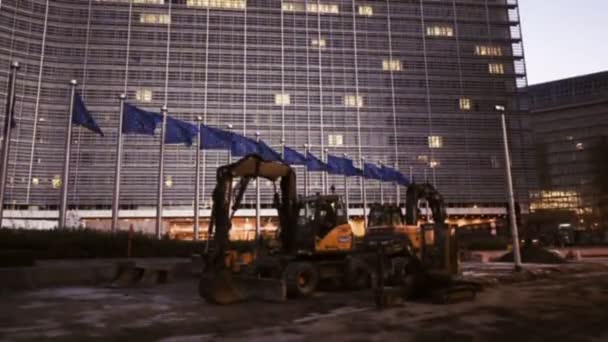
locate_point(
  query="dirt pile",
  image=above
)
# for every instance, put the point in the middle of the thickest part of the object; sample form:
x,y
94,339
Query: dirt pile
x,y
535,254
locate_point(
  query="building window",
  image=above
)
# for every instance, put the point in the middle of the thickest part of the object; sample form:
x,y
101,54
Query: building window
x,y
435,141
496,68
392,65
318,43
282,99
323,8
335,140
152,18
580,146
143,95
218,4
465,103
168,181
434,163
495,162
440,31
56,182
484,50
35,181
353,101
422,158
150,2
367,11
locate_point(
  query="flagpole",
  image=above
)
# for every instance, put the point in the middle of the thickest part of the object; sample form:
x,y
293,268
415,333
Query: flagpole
x,y
324,154
381,187
397,190
66,161
117,166
229,126
364,193
161,176
512,217
306,171
6,144
257,200
197,179
346,202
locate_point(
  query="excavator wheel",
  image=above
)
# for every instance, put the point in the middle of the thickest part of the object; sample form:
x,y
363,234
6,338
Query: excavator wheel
x,y
301,279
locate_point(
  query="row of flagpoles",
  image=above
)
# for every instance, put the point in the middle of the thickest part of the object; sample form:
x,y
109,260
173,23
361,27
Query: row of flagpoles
x,y
134,120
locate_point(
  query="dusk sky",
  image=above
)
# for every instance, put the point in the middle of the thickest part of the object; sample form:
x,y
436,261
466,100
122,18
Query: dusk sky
x,y
564,38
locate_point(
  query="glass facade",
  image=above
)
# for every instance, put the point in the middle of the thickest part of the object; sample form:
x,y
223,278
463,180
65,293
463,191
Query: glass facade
x,y
383,80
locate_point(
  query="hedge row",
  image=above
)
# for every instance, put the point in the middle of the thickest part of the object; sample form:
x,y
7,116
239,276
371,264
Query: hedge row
x,y
86,243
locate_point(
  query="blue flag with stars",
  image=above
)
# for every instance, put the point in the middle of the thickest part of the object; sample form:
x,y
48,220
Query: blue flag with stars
x,y
314,164
215,138
139,121
293,157
180,132
81,116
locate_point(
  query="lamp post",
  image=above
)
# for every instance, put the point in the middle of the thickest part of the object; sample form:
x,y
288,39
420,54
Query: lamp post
x,y
512,218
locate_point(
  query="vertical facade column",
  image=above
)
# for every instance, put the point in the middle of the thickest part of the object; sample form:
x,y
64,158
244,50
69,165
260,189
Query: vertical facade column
x,y
6,143
357,94
37,105
427,88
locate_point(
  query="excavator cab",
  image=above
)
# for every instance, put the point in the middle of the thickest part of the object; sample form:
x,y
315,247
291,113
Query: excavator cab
x,y
322,225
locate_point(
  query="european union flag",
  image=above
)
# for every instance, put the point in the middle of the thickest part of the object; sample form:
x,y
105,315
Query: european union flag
x,y
242,146
81,116
314,164
388,174
334,165
341,166
293,157
267,153
215,139
139,121
401,179
178,132
372,171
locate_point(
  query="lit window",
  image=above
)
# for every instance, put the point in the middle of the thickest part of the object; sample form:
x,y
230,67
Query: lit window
x,y
392,65
580,146
318,43
435,141
168,181
151,2
56,182
35,181
482,50
423,158
322,8
465,103
335,140
496,68
353,101
151,18
434,163
440,31
282,99
143,95
218,4
366,11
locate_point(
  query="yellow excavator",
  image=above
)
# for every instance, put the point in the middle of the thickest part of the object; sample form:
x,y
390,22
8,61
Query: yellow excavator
x,y
316,243
315,240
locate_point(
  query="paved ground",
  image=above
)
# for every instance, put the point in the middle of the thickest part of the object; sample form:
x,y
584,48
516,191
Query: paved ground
x,y
570,305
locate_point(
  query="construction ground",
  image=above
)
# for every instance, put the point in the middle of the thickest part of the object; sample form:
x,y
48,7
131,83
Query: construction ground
x,y
567,302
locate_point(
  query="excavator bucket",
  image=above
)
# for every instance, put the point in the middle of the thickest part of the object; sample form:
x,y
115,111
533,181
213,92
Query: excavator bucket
x,y
224,287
